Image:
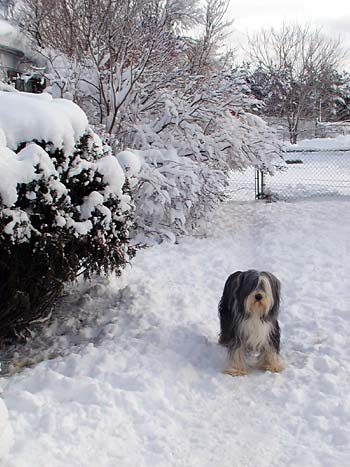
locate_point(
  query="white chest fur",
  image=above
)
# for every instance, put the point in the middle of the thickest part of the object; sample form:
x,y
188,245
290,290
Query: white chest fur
x,y
255,333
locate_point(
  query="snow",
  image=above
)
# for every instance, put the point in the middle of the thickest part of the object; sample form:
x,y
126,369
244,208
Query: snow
x,y
19,225
90,203
5,28
132,374
321,173
130,163
20,168
323,169
6,434
112,173
7,87
8,34
42,118
325,144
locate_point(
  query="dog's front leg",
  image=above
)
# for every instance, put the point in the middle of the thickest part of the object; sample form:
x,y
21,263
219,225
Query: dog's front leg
x,y
271,361
237,365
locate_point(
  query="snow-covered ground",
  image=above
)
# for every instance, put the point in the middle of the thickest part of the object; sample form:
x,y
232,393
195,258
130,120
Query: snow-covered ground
x,y
323,169
140,381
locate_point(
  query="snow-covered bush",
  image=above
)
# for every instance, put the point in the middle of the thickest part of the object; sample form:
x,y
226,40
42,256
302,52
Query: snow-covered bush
x,y
188,143
64,205
6,433
172,193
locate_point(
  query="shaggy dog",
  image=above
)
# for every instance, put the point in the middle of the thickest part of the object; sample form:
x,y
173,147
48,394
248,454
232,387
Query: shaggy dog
x,y
248,312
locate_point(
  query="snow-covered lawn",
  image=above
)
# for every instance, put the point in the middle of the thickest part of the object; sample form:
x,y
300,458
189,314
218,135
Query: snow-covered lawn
x,y
143,384
323,170
320,174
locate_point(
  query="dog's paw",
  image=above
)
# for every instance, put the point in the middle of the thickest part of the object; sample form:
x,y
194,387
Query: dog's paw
x,y
235,372
275,368
272,362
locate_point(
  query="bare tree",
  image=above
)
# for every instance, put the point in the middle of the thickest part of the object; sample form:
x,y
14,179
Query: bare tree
x,y
215,29
116,41
7,8
295,62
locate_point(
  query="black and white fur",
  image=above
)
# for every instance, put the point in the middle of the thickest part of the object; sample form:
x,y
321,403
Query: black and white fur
x,y
248,312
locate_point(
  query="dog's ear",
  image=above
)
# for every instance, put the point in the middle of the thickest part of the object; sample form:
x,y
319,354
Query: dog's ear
x,y
273,280
232,286
234,279
276,290
228,306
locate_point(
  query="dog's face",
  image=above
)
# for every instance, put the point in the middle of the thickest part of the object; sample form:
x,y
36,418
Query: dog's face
x,y
260,300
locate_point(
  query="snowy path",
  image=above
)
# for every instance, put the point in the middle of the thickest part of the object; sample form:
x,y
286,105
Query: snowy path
x,y
147,390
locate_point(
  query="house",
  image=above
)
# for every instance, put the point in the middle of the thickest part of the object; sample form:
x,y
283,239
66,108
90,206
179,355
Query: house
x,y
12,62
16,67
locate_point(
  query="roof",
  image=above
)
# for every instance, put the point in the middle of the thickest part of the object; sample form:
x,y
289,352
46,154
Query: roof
x,y
12,51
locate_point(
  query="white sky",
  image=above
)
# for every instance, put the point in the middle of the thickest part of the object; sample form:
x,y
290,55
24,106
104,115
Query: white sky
x,y
251,15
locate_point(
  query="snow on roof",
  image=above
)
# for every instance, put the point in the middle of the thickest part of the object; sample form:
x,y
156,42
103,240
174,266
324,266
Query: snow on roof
x,y
10,35
26,117
6,29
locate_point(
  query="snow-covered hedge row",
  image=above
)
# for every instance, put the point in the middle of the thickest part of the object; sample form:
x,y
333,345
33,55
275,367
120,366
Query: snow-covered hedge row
x,y
186,159
172,194
64,204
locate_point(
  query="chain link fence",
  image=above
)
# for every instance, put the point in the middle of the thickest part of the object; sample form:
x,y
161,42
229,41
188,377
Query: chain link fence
x,y
310,172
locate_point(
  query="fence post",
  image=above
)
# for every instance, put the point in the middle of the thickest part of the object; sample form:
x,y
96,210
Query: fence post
x,y
259,184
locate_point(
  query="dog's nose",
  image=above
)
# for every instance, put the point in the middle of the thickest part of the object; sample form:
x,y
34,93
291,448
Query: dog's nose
x,y
258,297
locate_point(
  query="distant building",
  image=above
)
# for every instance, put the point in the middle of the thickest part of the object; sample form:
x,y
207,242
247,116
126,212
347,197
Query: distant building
x,y
14,66
12,62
